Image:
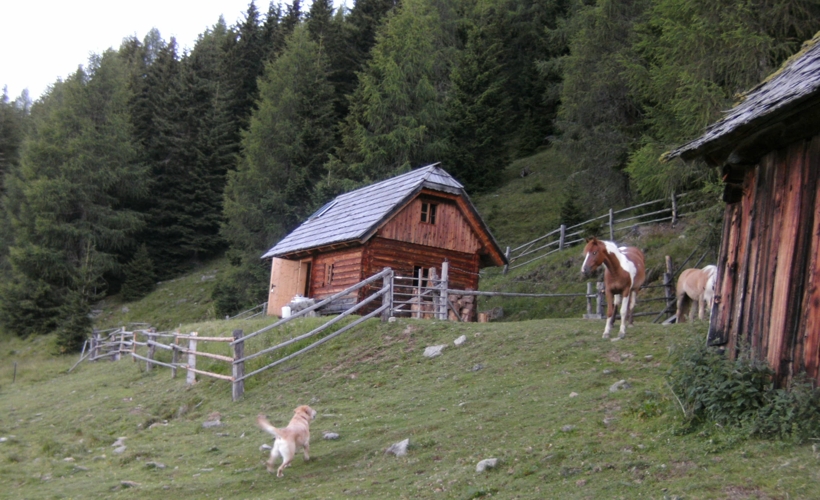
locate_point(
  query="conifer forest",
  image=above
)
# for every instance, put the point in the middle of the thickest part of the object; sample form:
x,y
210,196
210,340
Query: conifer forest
x,y
149,159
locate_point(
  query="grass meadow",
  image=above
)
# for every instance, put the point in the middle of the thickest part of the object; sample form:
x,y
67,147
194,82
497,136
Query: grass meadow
x,y
533,394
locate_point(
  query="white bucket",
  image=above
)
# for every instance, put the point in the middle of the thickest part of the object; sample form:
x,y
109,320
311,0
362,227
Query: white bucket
x,y
285,312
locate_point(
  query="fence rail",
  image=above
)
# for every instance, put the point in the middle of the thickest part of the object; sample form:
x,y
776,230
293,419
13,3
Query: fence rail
x,y
113,344
564,237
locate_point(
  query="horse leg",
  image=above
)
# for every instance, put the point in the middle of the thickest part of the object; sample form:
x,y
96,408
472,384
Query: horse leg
x,y
701,307
683,307
625,313
632,299
610,313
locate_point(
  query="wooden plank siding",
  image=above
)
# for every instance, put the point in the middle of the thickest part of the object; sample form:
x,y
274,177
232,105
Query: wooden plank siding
x,y
769,298
450,231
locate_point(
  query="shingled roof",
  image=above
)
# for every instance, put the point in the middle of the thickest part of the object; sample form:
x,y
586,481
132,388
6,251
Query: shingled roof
x,y
355,216
790,91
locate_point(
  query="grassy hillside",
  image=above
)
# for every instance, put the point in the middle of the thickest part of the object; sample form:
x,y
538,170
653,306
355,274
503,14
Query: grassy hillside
x,y
184,300
525,207
533,394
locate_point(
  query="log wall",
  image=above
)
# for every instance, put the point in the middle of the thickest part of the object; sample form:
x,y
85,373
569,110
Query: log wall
x,y
404,257
767,294
334,271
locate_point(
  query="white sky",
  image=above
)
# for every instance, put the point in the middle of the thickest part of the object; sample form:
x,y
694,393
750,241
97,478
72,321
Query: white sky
x,y
48,39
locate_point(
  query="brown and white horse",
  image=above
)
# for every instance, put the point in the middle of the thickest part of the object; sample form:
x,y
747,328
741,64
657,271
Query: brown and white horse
x,y
696,286
624,274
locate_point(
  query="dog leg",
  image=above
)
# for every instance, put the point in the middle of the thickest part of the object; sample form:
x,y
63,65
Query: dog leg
x,y
281,468
307,451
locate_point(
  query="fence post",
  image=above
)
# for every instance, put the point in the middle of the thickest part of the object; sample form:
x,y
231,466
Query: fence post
x,y
417,299
118,354
94,348
507,265
388,297
599,299
175,355
152,349
238,386
445,285
674,209
611,225
668,286
562,238
191,378
589,298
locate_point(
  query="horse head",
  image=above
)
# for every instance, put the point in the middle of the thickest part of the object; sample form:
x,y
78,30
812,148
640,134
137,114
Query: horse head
x,y
594,254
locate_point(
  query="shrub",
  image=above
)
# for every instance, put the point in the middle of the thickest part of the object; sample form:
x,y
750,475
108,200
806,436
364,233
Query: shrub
x,y
739,393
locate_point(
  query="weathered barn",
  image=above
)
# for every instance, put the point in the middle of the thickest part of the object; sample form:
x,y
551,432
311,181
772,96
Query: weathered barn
x,y
410,223
768,147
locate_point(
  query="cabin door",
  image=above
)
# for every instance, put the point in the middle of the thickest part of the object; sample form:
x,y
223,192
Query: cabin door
x,y
288,278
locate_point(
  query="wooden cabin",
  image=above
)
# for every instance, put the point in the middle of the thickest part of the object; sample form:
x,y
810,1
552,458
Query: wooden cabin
x,y
410,223
767,295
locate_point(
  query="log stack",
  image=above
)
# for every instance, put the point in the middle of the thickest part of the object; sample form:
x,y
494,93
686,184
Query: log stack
x,y
465,305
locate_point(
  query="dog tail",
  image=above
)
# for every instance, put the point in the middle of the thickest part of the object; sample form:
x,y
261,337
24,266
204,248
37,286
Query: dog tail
x,y
267,426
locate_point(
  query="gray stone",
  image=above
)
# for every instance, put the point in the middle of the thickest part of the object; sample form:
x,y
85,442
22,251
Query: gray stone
x,y
211,423
619,385
330,435
399,449
433,351
567,428
487,463
460,340
265,447
120,450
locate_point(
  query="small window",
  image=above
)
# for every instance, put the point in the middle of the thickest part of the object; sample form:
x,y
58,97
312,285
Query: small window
x,y
323,210
328,274
428,212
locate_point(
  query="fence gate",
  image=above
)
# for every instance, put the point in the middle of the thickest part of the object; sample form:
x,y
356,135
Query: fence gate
x,y
423,296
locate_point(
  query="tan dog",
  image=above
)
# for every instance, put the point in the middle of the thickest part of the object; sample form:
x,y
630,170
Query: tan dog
x,y
296,434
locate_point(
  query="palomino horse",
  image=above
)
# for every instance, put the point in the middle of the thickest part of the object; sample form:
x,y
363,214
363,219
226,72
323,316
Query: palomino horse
x,y
696,286
624,275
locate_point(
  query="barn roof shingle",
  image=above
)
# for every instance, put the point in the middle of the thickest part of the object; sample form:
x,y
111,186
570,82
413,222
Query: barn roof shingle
x,y
355,215
784,93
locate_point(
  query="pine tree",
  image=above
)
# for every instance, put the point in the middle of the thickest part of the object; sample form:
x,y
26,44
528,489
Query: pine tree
x,y
398,116
598,117
290,136
480,108
689,61
243,65
140,277
14,116
65,202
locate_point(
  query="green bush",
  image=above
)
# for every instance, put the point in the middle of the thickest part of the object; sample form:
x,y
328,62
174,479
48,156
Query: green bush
x,y
711,388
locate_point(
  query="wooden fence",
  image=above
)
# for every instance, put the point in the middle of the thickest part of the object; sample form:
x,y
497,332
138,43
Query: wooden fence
x,y
146,345
617,221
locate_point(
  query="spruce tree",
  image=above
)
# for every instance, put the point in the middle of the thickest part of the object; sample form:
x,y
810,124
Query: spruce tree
x,y
398,116
480,108
140,277
65,202
690,60
290,136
